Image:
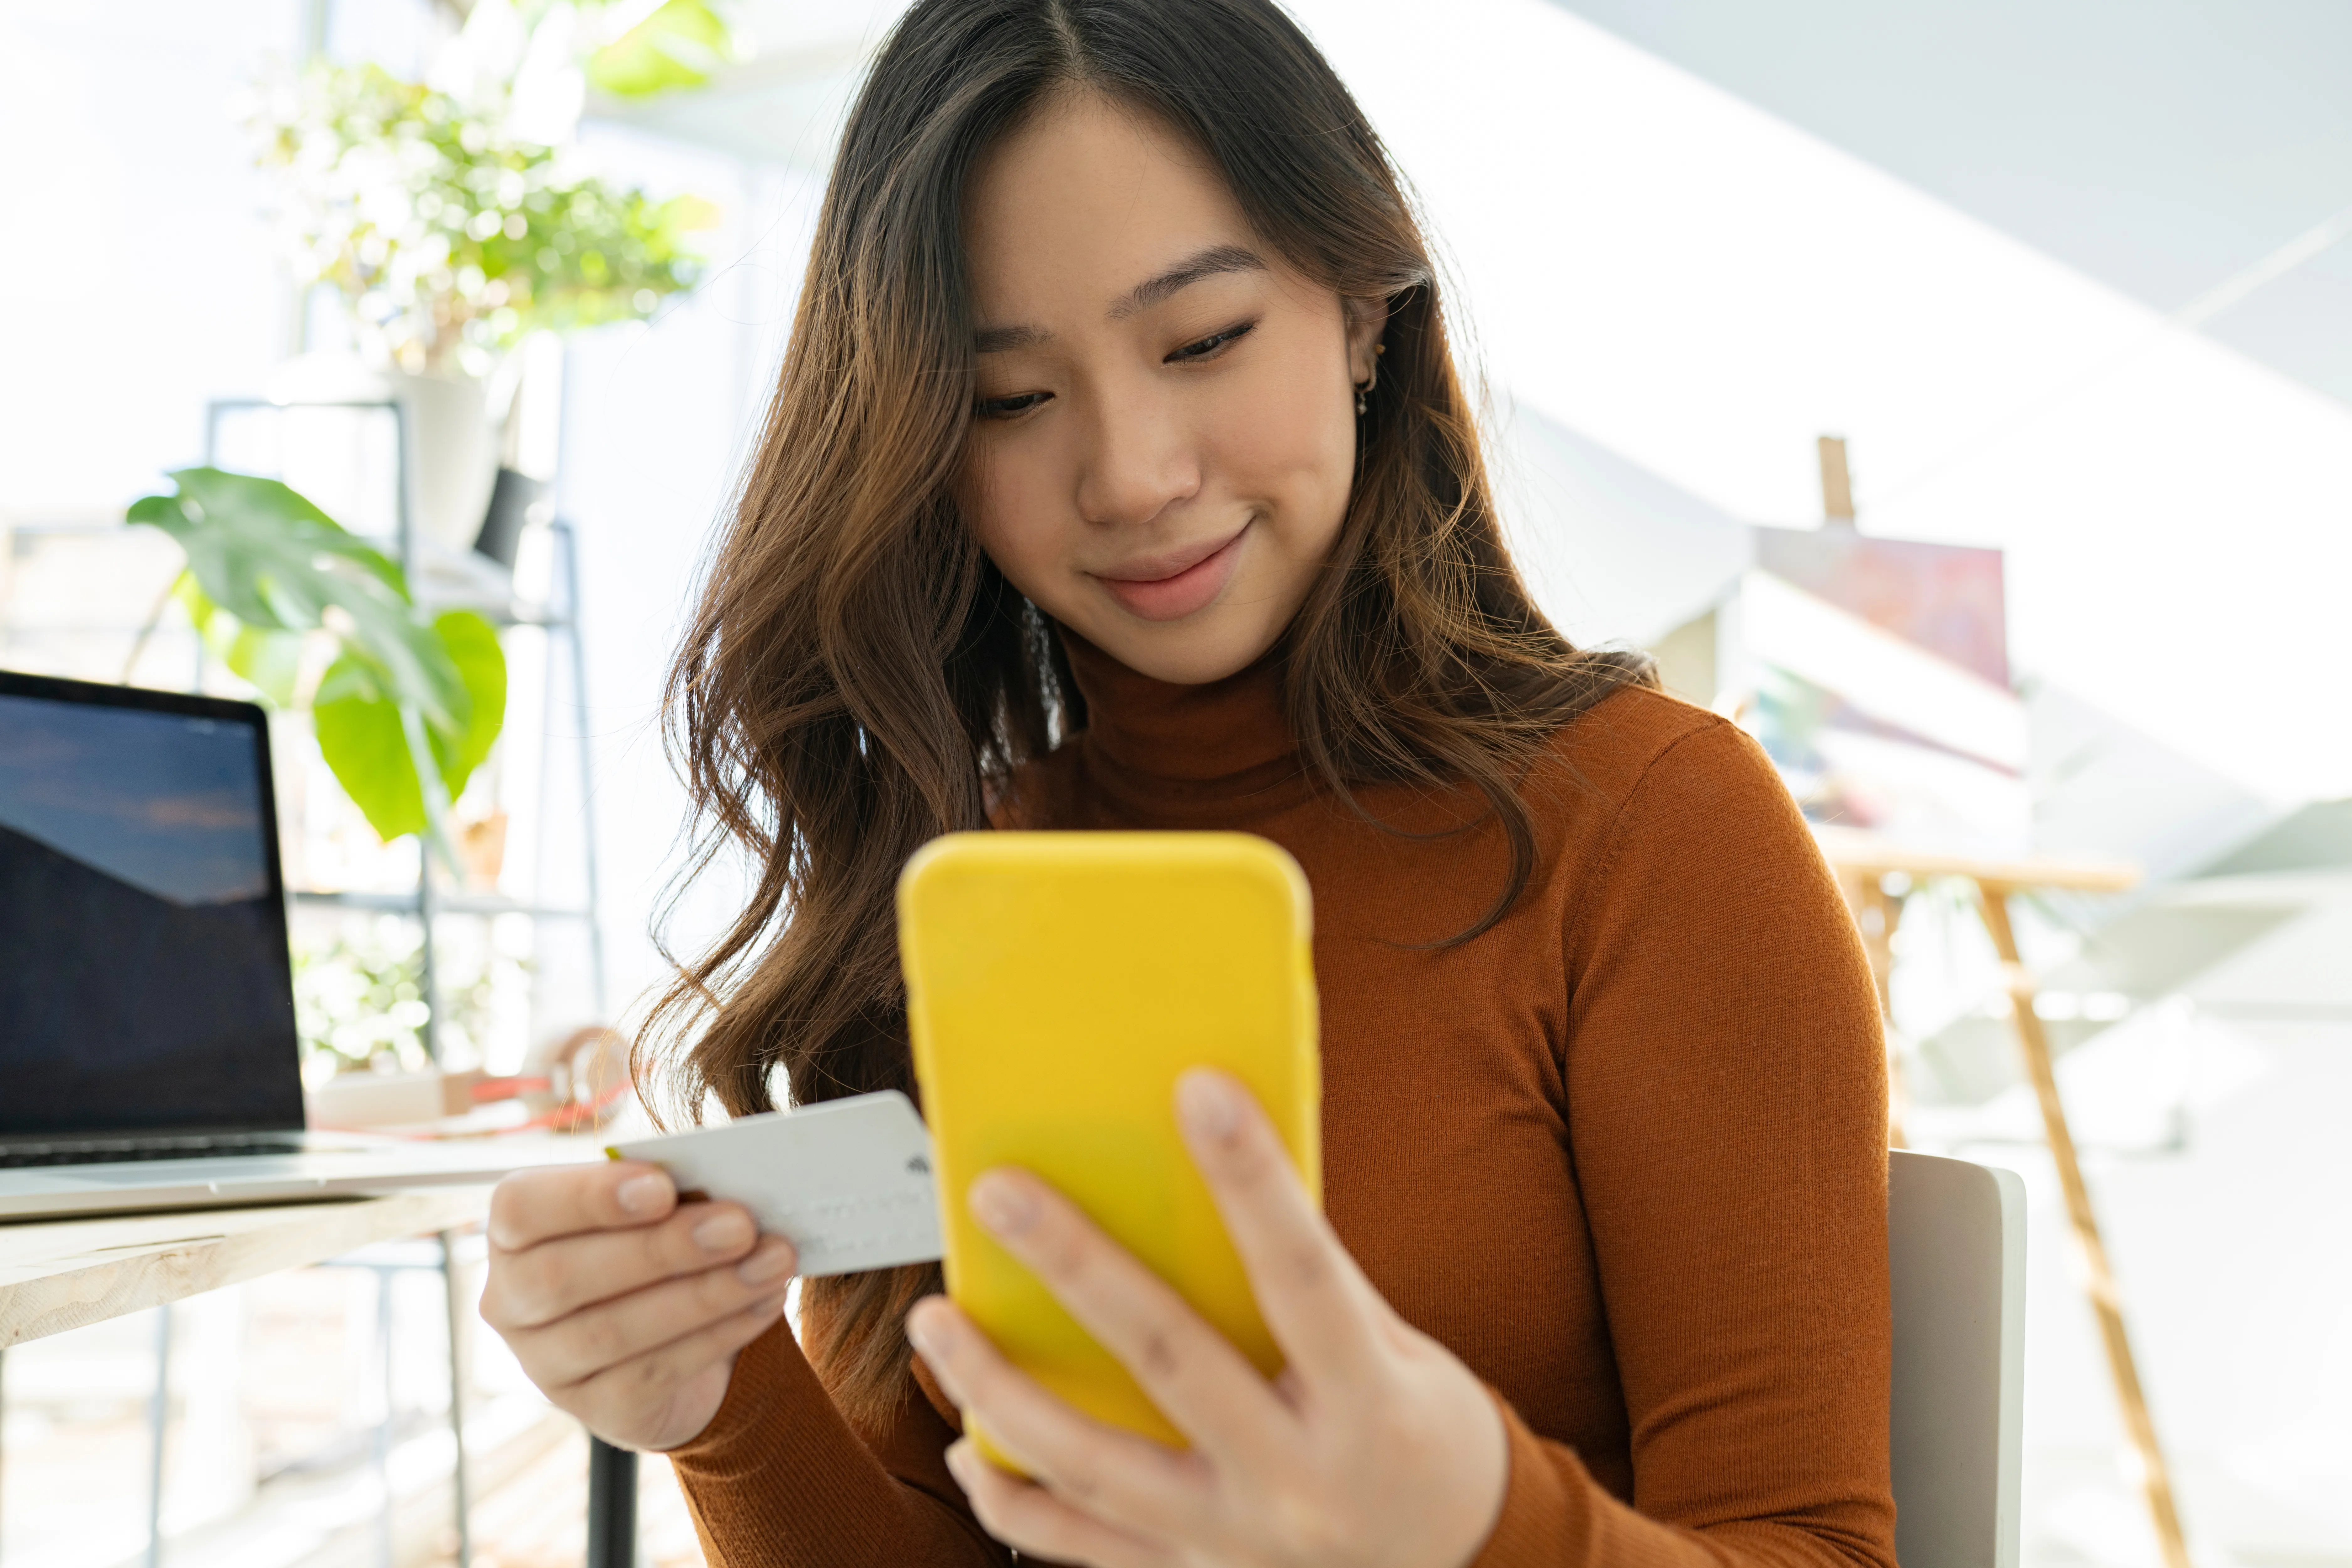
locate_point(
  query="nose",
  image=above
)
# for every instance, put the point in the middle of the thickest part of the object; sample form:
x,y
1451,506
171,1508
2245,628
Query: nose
x,y
1140,457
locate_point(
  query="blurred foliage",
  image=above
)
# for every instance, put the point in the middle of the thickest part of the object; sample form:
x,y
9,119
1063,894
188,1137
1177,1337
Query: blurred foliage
x,y
450,237
677,46
362,999
267,569
359,998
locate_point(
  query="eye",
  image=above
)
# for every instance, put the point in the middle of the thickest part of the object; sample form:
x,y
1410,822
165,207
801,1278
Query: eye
x,y
1009,407
1213,345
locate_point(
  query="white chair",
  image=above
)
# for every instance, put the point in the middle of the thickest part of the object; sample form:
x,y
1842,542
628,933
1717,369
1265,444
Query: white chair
x,y
1955,1249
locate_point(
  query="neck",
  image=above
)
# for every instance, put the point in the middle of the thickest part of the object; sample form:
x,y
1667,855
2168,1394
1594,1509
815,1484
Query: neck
x,y
1228,728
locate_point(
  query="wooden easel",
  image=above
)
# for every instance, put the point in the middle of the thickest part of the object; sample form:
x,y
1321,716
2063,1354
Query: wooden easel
x,y
1862,861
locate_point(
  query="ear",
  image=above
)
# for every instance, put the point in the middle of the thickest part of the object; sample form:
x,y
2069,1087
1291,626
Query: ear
x,y
1366,320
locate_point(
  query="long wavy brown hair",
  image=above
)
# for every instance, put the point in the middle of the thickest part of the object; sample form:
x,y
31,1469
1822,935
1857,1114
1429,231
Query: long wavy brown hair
x,y
859,679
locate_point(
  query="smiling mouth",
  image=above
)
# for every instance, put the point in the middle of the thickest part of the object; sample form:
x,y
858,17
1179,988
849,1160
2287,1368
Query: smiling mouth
x,y
1171,586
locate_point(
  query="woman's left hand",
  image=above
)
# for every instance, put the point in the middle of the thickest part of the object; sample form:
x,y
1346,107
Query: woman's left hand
x,y
1374,1447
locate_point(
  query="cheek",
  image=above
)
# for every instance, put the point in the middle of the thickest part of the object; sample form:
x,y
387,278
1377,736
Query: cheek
x,y
1291,445
997,495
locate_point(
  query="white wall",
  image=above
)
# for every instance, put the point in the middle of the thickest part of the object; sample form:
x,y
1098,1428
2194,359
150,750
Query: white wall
x,y
658,420
134,257
1705,290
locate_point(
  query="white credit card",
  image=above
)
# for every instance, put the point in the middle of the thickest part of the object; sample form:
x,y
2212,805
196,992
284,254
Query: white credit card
x,y
848,1181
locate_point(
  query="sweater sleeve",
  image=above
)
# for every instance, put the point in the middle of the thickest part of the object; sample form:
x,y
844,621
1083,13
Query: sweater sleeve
x,y
779,1480
1726,1090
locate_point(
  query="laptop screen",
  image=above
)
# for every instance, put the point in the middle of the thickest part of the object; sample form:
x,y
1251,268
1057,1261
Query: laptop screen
x,y
144,980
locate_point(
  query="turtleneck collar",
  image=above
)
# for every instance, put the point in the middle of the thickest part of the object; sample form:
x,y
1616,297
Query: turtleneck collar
x,y
1229,733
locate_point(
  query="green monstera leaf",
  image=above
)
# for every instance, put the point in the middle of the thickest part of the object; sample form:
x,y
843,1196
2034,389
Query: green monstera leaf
x,y
473,646
270,661
409,708
361,736
267,556
365,736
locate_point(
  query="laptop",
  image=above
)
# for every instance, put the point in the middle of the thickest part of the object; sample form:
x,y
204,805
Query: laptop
x,y
148,1052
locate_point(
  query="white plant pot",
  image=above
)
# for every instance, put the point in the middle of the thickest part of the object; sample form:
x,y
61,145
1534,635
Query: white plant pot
x,y
453,455
452,442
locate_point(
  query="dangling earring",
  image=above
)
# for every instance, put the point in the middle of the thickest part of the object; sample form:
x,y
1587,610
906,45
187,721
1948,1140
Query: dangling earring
x,y
1364,387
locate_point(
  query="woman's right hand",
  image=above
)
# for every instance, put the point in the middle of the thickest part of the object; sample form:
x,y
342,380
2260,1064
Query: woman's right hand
x,y
625,1307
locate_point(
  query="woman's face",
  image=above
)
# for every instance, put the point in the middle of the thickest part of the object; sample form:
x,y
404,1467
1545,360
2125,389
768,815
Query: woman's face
x,y
1165,434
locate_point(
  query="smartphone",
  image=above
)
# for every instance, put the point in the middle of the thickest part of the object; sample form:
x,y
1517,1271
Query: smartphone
x,y
1057,985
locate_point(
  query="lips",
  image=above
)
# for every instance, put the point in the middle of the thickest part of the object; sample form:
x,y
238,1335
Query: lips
x,y
1172,585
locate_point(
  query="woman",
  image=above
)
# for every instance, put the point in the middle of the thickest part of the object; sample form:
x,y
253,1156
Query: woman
x,y
1119,476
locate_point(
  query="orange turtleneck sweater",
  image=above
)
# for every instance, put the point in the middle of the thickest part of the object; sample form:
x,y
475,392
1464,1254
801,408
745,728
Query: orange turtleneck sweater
x,y
1624,1154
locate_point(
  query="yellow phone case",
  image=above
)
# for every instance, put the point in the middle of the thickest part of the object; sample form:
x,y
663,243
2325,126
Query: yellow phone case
x,y
1057,984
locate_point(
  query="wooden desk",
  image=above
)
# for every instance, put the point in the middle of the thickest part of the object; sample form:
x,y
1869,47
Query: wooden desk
x,y
56,1275
62,1274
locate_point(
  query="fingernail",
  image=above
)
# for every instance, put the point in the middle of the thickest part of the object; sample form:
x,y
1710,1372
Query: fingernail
x,y
645,1193
1002,1205
770,1263
960,1460
1208,1104
927,1335
722,1232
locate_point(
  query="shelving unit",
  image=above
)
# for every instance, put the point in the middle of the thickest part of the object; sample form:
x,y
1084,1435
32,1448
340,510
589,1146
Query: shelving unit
x,y
558,618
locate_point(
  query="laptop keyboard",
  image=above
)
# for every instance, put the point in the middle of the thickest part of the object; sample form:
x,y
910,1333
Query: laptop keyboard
x,y
109,1150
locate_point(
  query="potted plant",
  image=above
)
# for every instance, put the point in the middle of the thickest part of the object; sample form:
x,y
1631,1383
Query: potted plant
x,y
449,238
406,703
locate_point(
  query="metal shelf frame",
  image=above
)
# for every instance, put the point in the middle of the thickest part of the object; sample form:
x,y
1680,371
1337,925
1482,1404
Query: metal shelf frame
x,y
429,900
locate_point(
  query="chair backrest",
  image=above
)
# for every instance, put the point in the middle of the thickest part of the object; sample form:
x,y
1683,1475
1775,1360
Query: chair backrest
x,y
1955,1249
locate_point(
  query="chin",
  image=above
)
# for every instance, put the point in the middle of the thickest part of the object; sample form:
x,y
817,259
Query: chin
x,y
1193,652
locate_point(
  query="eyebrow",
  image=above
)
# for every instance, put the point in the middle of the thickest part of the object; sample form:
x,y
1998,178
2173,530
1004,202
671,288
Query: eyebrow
x,y
1209,263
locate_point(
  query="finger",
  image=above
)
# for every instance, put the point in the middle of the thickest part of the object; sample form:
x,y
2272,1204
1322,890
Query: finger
x,y
1031,1520
578,1347
531,1206
1316,1304
654,1395
1127,1481
1207,1388
556,1279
